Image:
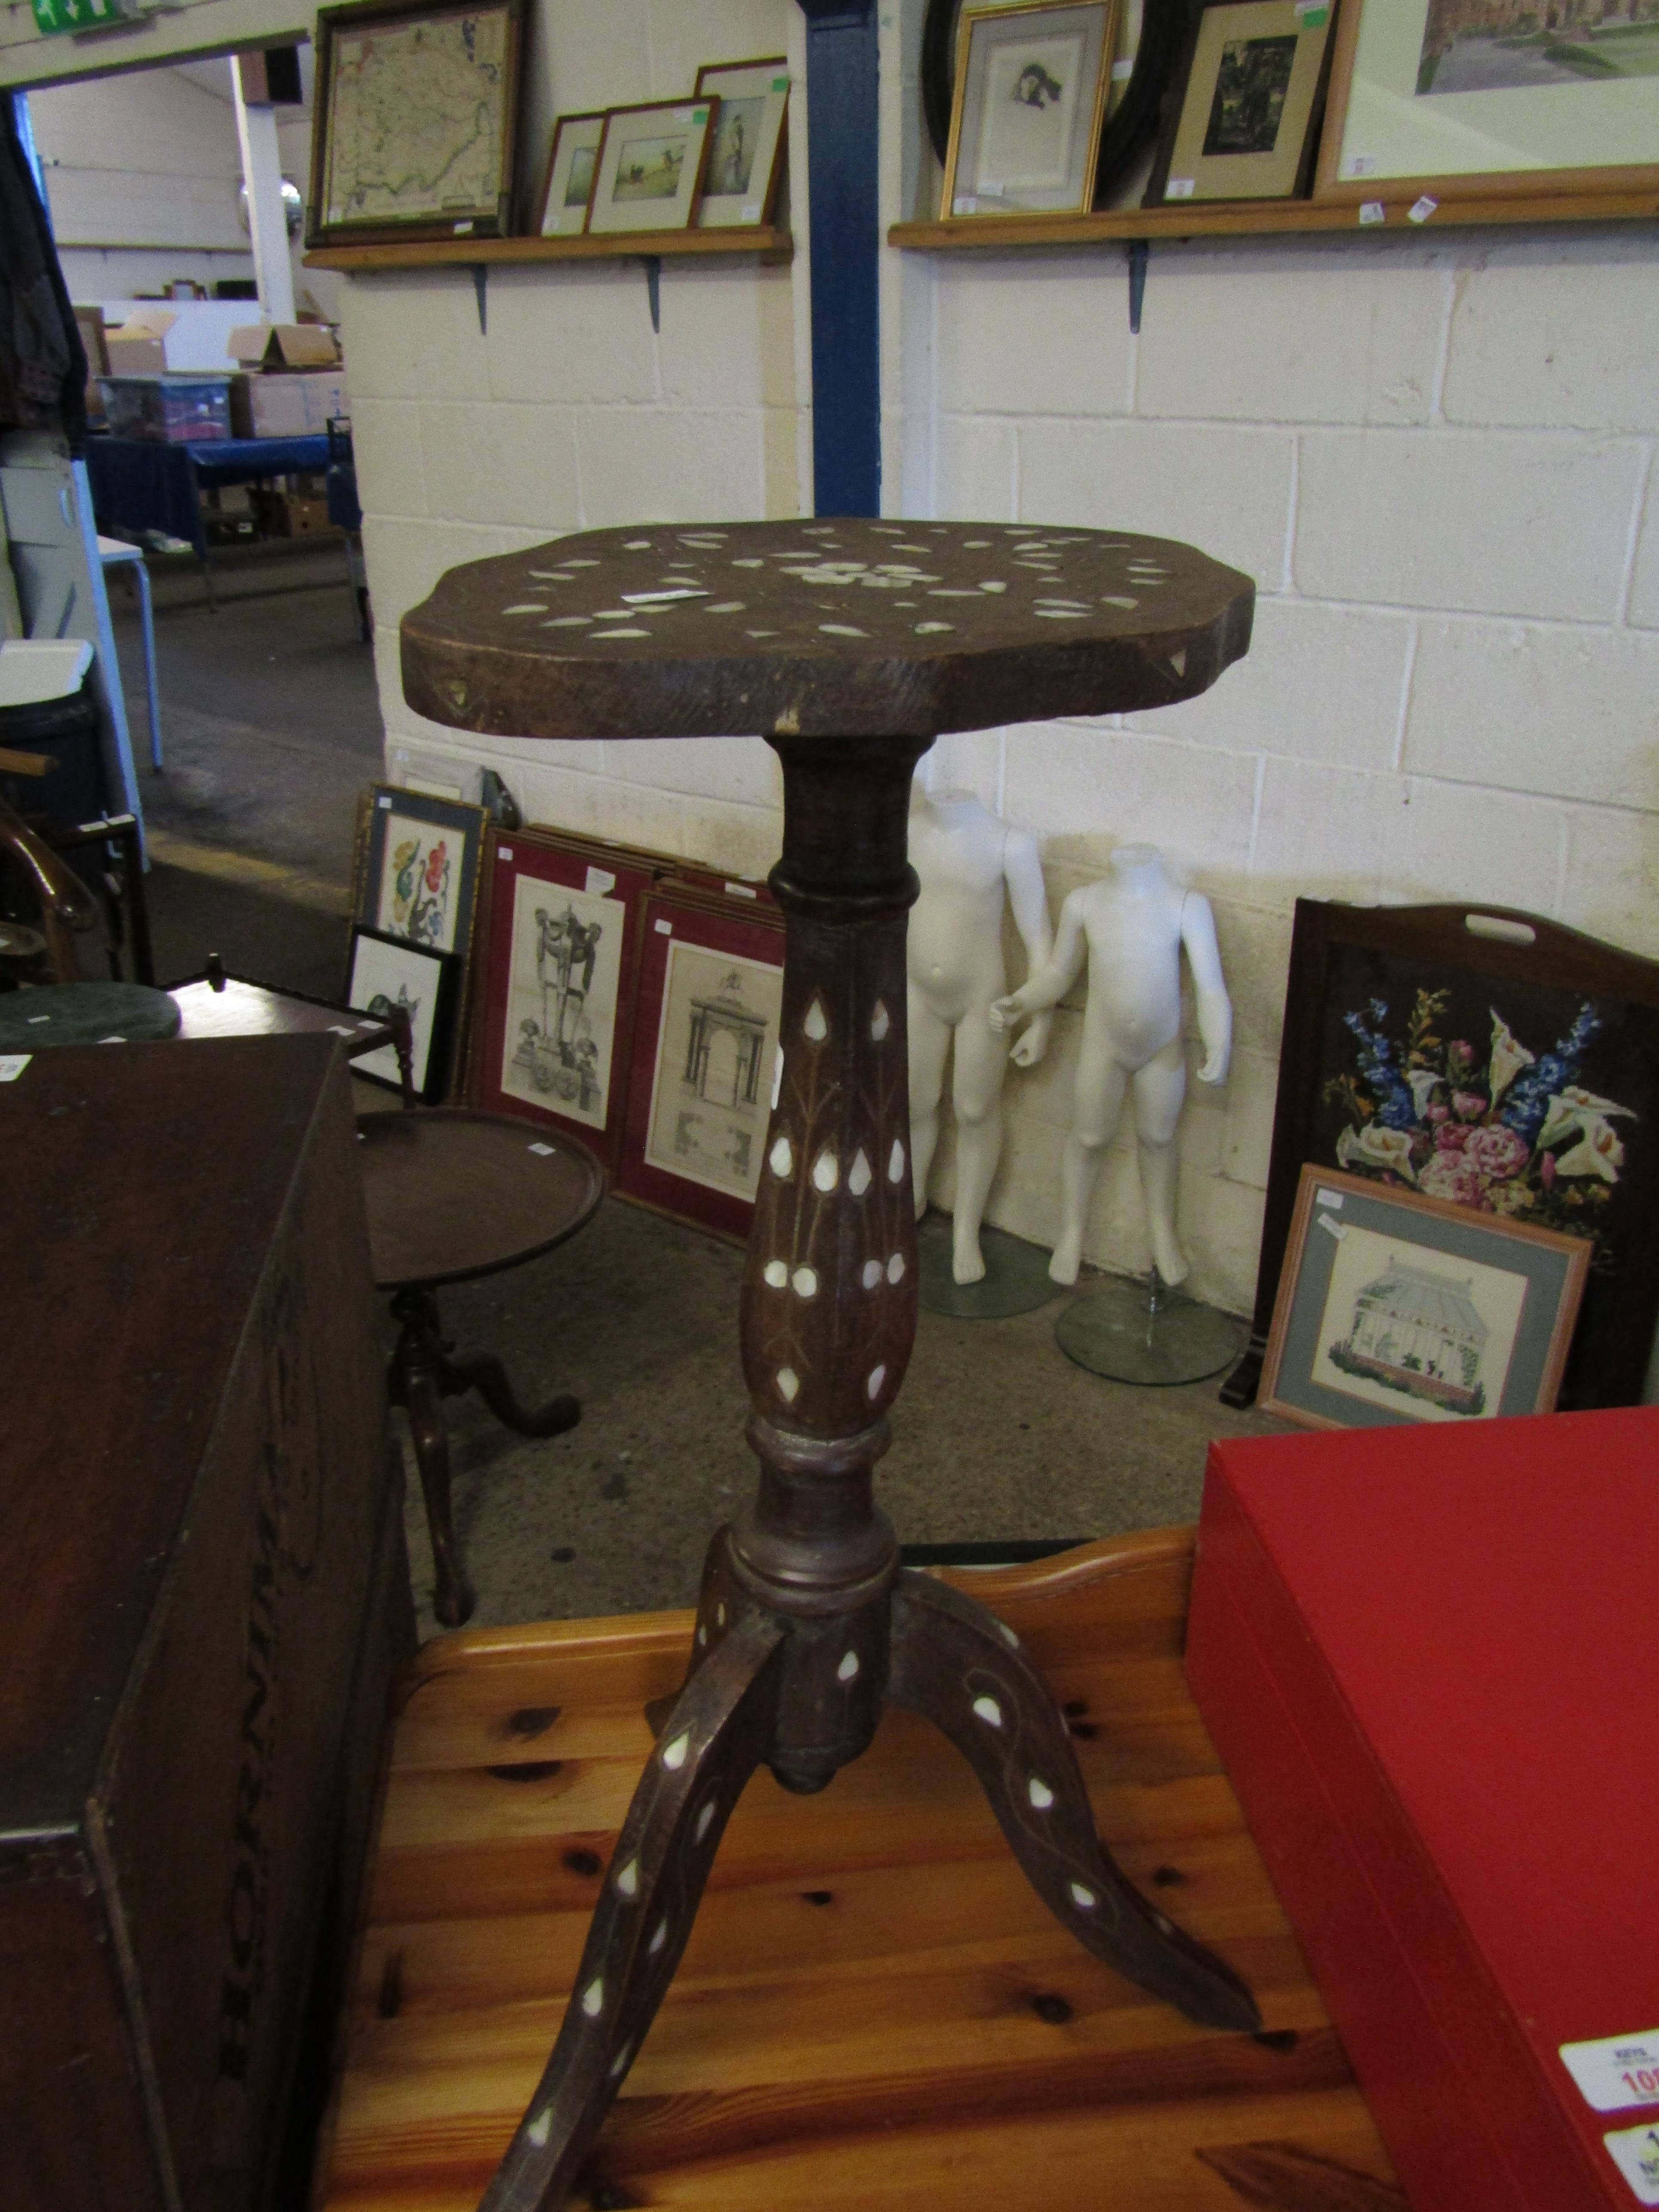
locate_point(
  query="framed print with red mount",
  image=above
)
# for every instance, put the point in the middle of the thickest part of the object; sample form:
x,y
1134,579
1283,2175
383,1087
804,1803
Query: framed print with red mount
x,y
561,961
710,1001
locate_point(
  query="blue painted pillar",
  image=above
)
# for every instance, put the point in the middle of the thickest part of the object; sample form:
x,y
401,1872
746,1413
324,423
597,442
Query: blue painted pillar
x,y
841,118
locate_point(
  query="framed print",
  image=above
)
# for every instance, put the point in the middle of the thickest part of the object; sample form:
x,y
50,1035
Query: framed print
x,y
1394,1308
418,869
650,164
1031,98
705,1042
569,185
388,974
1252,90
747,154
1441,97
415,121
555,1029
1493,1060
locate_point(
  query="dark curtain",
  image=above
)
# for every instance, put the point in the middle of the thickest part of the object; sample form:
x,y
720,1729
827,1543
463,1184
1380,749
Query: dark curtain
x,y
43,364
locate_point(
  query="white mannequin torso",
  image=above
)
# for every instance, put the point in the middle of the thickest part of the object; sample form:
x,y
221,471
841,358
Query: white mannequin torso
x,y
957,848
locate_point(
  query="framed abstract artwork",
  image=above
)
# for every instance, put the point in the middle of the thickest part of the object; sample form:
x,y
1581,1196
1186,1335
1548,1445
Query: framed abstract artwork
x,y
1030,103
1394,1308
390,974
649,169
1439,97
552,1038
415,121
1252,90
746,157
568,184
705,1052
1492,1060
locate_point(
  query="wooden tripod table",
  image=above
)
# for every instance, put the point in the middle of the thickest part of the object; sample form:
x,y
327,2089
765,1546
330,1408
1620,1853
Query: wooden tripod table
x,y
850,646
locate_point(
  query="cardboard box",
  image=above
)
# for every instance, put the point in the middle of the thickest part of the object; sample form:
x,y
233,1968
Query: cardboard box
x,y
293,514
1425,1655
175,337
283,345
283,405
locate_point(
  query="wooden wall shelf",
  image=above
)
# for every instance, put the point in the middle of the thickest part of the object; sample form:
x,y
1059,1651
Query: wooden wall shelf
x,y
768,243
1262,218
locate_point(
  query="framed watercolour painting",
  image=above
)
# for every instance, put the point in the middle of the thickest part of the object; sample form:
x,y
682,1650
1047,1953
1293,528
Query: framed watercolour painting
x,y
389,974
1252,90
415,121
1442,97
649,168
1492,1060
418,869
1030,99
746,157
553,1035
706,1046
1394,1308
569,185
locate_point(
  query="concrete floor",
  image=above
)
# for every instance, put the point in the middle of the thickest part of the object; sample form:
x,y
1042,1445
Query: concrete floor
x,y
271,727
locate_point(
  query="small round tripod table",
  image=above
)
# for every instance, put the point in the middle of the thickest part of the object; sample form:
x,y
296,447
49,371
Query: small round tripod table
x,y
848,646
452,1195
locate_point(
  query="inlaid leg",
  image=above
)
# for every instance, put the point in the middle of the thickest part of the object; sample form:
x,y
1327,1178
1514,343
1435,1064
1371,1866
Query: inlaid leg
x,y
958,1666
717,1733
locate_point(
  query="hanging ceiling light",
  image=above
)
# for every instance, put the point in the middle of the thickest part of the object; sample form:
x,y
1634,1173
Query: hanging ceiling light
x,y
294,207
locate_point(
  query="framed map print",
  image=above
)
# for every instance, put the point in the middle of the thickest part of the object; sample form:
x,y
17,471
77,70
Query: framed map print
x,y
415,121
560,958
705,1051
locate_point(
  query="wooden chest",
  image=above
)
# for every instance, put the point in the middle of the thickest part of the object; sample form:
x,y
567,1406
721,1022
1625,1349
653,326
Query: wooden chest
x,y
206,1598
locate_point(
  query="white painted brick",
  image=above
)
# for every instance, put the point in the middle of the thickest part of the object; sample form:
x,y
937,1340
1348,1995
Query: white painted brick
x,y
727,336
595,60
649,464
386,438
1568,711
405,559
1456,841
415,337
1319,682
1300,333
1321,831
783,495
1065,781
684,33
1252,1089
744,769
966,760
1255,960
1612,872
1023,334
502,464
1644,591
977,470
1559,332
1490,524
1225,491
564,336
1220,1228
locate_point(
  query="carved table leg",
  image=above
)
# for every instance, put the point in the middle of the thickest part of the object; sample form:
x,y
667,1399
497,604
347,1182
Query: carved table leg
x,y
484,1373
958,1666
714,1739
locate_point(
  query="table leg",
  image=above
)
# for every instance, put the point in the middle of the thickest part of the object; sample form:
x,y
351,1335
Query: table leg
x,y
810,1573
414,1383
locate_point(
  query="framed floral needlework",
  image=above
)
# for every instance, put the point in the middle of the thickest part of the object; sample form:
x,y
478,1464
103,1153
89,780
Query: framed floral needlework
x,y
1490,1061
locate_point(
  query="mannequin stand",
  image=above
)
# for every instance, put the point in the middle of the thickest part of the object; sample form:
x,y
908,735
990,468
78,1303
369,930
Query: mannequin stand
x,y
806,1624
1016,1278
1147,1333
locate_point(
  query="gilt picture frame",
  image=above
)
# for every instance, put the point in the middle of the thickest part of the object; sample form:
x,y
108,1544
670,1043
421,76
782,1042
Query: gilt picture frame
x,y
1029,106
1395,1309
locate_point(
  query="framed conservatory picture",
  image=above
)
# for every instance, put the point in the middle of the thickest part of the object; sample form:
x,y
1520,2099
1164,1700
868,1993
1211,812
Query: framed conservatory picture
x,y
560,957
1394,1308
415,121
706,1048
1489,1059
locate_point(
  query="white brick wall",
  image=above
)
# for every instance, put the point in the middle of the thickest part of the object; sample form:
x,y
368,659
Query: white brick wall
x,y
1434,455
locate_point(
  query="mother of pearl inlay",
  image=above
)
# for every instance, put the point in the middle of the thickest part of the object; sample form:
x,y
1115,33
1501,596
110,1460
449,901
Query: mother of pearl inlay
x,y
788,1385
629,1880
871,1273
774,1274
879,1022
1085,1899
816,1027
1039,1794
878,1376
826,1172
673,1756
849,1668
805,1282
896,1163
781,1158
860,1178
896,1268
989,1710
593,1997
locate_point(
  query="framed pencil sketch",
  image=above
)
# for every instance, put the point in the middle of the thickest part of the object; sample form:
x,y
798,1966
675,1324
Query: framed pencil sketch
x,y
1252,91
746,155
649,168
415,121
1440,97
706,1045
553,1036
1030,100
1395,1307
1490,1060
568,184
389,974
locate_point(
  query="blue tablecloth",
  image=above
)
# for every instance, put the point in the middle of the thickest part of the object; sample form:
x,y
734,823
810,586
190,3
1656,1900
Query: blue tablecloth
x,y
139,485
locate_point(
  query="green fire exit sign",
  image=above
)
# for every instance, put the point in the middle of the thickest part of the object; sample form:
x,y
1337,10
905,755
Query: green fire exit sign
x,y
53,17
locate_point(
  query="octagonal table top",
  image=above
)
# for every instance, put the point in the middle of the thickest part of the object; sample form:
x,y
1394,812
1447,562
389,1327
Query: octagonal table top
x,y
853,629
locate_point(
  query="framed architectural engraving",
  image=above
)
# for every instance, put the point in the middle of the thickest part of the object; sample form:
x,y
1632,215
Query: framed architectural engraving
x,y
1251,94
569,185
1441,97
1395,1307
1030,99
415,121
706,1046
555,1029
746,157
650,166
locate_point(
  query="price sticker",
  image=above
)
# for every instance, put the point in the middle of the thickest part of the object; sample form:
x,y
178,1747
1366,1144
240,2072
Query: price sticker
x,y
1635,2151
599,881
1616,2072
1420,210
664,928
12,1065
1372,211
1179,188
